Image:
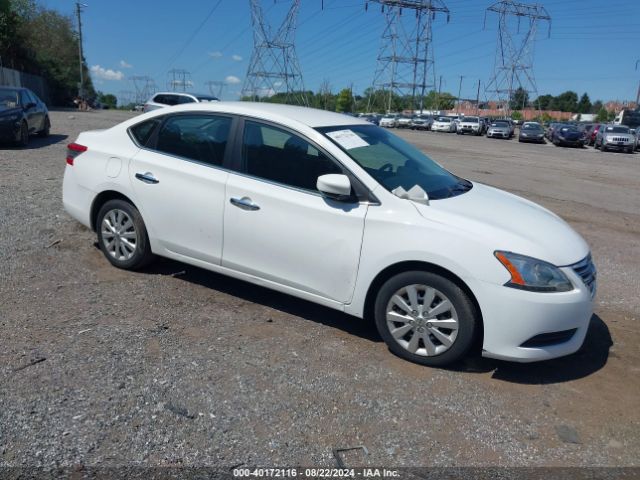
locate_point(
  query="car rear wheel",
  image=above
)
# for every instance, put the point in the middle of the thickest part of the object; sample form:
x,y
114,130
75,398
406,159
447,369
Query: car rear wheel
x,y
425,318
122,235
46,128
23,136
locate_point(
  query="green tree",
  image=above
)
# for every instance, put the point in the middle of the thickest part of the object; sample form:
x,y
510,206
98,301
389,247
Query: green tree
x,y
108,100
584,105
545,102
603,115
344,102
596,107
567,101
516,115
519,99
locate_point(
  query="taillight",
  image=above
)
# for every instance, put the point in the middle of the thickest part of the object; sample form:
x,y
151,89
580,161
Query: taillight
x,y
73,150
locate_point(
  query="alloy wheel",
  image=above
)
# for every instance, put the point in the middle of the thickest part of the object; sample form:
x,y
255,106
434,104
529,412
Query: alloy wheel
x,y
119,235
422,320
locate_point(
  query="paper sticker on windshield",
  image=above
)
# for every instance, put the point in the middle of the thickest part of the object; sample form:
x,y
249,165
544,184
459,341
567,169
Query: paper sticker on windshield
x,y
347,139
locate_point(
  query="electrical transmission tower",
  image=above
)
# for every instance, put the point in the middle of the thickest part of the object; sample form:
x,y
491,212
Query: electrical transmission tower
x,y
274,66
179,80
216,87
144,87
126,97
513,68
405,61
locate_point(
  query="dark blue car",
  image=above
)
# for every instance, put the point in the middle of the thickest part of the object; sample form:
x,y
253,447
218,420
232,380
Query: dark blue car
x,y
22,114
568,136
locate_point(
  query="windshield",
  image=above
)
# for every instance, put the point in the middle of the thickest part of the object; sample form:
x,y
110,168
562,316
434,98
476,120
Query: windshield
x,y
8,99
531,126
500,124
470,120
444,119
394,163
619,129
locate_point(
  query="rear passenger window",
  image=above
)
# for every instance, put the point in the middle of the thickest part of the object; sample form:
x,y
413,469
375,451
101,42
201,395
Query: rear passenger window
x,y
196,137
185,99
142,131
280,156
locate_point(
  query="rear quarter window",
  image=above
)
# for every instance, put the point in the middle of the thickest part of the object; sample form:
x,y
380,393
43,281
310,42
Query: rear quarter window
x,y
142,131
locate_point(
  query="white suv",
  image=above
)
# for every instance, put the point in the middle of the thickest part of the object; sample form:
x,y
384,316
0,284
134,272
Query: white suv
x,y
169,99
335,210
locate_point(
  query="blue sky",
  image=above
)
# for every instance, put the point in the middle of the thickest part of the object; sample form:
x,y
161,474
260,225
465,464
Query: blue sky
x,y
593,48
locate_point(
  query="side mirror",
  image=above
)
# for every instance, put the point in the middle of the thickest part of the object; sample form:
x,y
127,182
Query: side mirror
x,y
29,106
335,186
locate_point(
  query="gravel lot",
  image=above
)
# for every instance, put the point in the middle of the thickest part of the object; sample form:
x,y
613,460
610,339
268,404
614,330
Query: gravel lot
x,y
179,366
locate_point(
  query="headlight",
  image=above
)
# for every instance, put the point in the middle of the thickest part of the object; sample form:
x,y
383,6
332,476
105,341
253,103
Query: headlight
x,y
10,118
534,275
524,134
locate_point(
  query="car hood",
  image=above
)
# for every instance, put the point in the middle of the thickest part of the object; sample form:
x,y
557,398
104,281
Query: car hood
x,y
510,223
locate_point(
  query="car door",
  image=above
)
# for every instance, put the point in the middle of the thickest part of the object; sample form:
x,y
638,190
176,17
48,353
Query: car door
x,y
179,179
278,227
30,111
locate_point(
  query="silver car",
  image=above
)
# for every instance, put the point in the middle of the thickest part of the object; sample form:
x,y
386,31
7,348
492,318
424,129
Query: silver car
x,y
615,137
169,99
499,129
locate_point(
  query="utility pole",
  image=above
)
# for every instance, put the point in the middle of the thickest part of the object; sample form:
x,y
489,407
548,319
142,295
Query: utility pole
x,y
638,94
405,58
79,7
513,67
459,92
274,66
438,95
478,99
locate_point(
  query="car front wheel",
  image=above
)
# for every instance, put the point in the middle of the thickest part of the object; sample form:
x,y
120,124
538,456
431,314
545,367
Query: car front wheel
x,y
122,235
46,128
425,318
23,135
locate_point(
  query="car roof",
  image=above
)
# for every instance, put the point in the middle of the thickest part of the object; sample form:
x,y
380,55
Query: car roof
x,y
281,113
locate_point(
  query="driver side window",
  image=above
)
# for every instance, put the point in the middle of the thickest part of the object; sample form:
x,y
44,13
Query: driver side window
x,y
282,157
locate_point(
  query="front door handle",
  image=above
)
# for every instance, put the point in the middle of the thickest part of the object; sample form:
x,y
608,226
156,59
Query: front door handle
x,y
147,177
244,203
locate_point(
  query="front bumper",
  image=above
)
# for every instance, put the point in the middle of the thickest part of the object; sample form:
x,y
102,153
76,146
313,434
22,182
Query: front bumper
x,y
531,139
570,143
514,317
9,131
615,146
498,135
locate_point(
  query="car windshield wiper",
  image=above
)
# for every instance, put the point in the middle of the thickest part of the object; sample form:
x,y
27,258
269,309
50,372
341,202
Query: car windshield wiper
x,y
460,187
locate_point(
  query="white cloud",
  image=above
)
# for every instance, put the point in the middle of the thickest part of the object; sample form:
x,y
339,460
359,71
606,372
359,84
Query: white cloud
x,y
106,73
215,54
232,80
236,58
124,64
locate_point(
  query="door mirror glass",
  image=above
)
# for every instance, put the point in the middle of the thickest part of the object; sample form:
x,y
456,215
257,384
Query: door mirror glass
x,y
335,186
29,106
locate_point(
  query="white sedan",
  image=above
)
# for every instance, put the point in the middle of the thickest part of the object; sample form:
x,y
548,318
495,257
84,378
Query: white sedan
x,y
332,209
443,124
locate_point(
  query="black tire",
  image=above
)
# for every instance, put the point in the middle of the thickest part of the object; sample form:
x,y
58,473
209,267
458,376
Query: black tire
x,y
603,149
46,129
468,318
142,254
23,139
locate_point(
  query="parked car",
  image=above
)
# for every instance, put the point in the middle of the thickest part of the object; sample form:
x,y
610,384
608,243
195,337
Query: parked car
x,y
403,121
567,136
22,114
531,132
471,125
388,121
340,212
637,138
421,123
552,126
615,137
591,138
499,129
586,129
169,99
443,124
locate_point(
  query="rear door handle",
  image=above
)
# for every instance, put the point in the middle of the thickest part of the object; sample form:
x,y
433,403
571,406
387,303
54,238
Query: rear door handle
x,y
147,178
244,203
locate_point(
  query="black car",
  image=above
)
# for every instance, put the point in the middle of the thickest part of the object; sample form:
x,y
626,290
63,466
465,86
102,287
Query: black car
x,y
22,114
568,136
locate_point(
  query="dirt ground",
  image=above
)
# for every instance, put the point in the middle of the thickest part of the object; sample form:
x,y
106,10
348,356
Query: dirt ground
x,y
178,366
